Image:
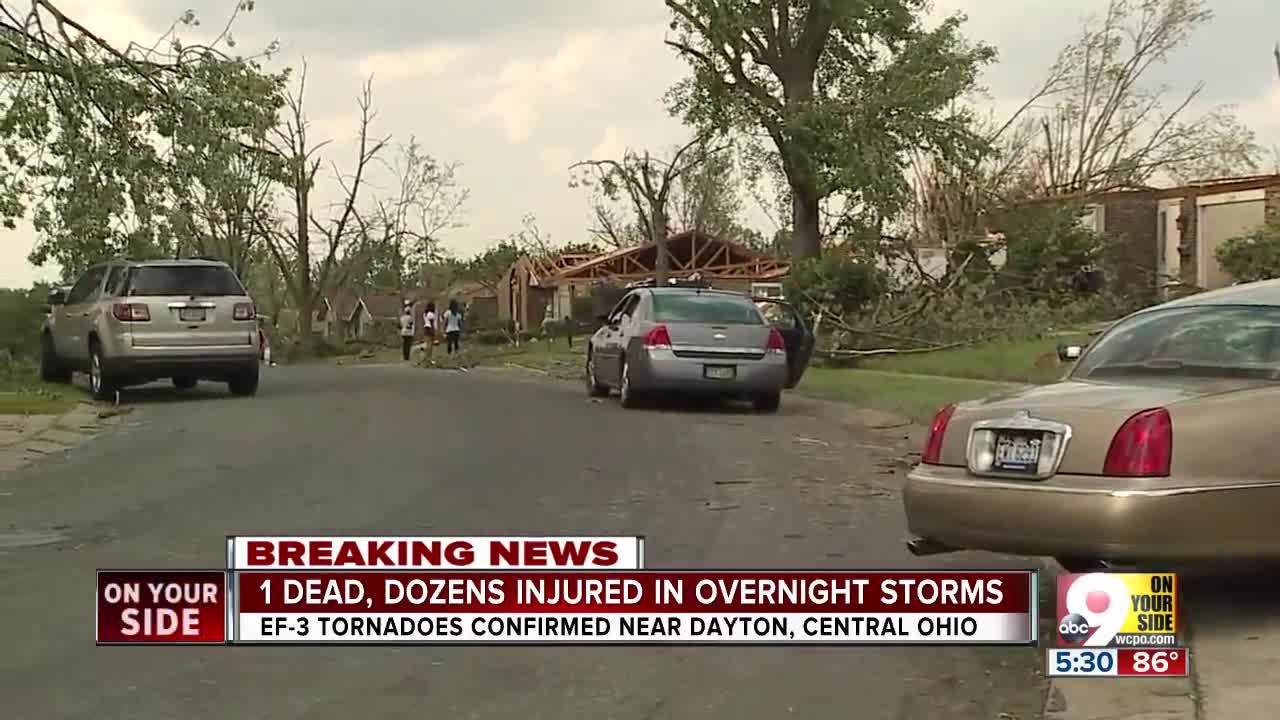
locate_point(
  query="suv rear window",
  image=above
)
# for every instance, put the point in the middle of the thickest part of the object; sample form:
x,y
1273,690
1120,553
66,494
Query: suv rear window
x,y
709,308
202,280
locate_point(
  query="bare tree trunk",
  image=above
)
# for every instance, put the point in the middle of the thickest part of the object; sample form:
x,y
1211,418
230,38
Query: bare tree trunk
x,y
658,231
806,222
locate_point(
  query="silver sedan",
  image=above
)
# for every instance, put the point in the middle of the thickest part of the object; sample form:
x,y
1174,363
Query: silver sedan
x,y
671,340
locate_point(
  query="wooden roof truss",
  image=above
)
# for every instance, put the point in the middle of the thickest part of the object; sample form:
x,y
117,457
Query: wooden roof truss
x,y
688,253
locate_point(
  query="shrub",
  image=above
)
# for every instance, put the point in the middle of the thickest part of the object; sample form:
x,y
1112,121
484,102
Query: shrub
x,y
488,336
21,317
1048,251
1252,256
835,281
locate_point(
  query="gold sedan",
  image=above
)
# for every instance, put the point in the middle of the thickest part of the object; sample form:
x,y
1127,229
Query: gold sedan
x,y
1159,445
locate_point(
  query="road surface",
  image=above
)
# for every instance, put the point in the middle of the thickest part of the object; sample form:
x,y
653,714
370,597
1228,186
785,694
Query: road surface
x,y
386,450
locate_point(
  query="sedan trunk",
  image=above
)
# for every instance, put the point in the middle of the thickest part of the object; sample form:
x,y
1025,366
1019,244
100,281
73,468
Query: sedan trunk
x,y
1093,410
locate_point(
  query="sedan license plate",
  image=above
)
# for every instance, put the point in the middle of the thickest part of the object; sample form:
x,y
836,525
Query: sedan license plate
x,y
1017,452
191,314
719,372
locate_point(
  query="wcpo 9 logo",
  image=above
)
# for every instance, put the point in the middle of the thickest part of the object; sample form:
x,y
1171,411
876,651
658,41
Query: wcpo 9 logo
x,y
1117,610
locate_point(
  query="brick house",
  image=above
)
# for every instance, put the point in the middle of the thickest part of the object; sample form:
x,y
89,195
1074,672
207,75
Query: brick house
x,y
1166,237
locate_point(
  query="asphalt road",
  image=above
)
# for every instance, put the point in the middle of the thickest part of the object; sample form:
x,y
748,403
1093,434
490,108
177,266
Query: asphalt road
x,y
399,450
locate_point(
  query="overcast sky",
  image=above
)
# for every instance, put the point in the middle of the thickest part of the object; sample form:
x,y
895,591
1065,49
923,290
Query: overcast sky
x,y
516,90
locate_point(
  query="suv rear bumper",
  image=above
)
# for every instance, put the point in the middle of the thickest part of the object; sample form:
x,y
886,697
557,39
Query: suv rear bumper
x,y
202,364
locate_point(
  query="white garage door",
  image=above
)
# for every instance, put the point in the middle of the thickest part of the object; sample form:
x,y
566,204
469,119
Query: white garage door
x,y
1219,223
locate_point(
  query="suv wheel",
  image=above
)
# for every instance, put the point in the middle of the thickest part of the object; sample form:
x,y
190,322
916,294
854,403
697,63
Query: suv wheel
x,y
245,384
100,384
51,370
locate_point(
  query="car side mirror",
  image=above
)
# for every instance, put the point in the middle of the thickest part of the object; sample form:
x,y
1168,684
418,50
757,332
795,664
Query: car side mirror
x,y
1070,352
58,297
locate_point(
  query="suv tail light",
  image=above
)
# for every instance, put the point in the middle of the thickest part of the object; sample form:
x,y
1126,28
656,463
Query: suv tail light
x,y
932,454
244,311
131,312
776,342
658,337
1142,447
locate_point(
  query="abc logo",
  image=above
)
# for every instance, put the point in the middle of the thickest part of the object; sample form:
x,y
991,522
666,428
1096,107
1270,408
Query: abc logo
x,y
1074,628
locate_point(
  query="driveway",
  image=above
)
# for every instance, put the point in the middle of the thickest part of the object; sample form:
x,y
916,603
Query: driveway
x,y
385,450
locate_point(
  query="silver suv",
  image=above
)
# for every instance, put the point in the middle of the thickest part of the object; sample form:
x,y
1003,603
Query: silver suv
x,y
129,322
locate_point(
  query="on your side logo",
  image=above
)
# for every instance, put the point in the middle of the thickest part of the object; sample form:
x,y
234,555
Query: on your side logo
x,y
1092,608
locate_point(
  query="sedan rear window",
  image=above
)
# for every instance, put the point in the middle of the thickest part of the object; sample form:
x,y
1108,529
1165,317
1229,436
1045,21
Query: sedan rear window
x,y
709,308
1209,340
203,280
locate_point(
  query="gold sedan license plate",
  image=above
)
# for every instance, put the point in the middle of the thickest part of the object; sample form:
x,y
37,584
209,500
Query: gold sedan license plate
x,y
719,372
1017,452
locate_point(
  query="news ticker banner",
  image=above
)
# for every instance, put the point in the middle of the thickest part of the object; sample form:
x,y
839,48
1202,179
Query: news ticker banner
x,y
1118,625
563,606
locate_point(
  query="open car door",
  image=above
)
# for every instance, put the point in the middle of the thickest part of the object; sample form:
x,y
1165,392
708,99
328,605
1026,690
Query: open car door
x,y
795,333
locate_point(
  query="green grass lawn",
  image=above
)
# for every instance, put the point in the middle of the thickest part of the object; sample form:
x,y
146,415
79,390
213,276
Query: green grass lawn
x,y
916,397
1014,361
32,397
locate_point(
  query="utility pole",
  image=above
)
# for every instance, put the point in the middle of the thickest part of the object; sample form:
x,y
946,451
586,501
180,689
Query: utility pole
x,y
1276,52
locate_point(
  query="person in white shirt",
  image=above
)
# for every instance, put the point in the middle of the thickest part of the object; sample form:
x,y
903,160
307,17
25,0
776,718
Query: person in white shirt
x,y
429,327
406,330
452,327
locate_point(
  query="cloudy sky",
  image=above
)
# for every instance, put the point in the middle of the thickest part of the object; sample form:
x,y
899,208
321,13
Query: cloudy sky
x,y
516,90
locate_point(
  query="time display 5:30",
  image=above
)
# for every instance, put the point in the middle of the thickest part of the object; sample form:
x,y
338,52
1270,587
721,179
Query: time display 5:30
x,y
1082,662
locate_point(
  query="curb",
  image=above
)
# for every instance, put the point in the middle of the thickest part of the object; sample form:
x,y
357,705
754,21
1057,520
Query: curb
x,y
57,421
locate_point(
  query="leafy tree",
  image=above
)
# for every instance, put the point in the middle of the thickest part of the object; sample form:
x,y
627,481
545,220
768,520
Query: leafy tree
x,y
1108,126
114,150
836,282
406,227
843,89
1047,249
648,182
1254,255
707,199
615,226
487,268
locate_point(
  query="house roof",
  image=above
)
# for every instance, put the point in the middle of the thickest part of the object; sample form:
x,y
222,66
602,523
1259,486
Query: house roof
x,y
545,267
1198,187
687,252
383,305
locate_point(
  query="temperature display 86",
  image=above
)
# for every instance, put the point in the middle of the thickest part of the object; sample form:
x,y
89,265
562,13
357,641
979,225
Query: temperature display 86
x,y
1117,662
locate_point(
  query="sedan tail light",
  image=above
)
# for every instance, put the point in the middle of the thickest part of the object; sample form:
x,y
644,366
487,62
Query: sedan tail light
x,y
131,312
658,337
932,454
776,342
244,311
1142,447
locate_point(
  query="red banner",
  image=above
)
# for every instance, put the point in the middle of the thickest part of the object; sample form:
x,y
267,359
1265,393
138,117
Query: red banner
x,y
752,591
170,607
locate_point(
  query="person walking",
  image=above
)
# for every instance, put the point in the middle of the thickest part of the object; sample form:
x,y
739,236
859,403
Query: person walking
x,y
452,327
429,327
406,330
